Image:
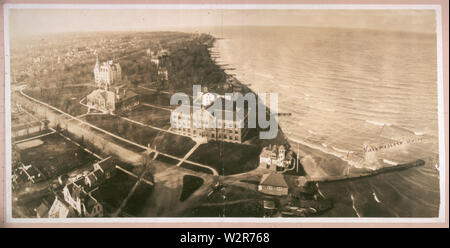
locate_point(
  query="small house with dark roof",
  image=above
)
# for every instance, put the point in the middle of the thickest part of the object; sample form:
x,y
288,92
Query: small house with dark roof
x,y
107,167
273,184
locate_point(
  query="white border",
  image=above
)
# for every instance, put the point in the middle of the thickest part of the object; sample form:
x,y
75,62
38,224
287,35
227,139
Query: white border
x,y
442,149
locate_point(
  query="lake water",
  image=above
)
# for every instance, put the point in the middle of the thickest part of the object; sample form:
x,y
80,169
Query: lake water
x,y
347,89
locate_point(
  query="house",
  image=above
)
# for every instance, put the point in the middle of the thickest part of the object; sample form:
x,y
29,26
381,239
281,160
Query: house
x,y
107,167
81,201
61,209
273,184
77,197
163,74
103,170
115,99
276,158
20,130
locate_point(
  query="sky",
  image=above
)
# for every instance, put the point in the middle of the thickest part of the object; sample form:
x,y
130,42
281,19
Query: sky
x,y
25,22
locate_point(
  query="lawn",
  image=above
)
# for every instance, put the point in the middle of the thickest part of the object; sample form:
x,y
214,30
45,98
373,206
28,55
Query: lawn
x,y
128,130
173,144
134,205
151,116
66,98
190,185
196,168
228,158
56,156
116,189
154,98
251,208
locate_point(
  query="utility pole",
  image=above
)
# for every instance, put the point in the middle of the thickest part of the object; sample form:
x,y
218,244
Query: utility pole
x,y
298,154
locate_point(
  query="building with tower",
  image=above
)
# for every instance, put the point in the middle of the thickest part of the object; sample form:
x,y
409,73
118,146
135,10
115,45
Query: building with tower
x,y
110,96
107,74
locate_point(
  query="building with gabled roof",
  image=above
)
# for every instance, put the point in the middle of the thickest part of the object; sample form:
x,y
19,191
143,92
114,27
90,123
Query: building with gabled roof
x,y
110,96
273,184
107,74
210,123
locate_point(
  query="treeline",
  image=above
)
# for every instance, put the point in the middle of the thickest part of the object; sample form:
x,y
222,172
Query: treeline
x,y
190,63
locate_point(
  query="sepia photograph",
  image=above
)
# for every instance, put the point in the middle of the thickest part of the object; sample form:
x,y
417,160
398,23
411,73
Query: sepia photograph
x,y
224,112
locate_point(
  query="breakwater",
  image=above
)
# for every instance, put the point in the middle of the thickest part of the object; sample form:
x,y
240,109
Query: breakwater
x,y
415,163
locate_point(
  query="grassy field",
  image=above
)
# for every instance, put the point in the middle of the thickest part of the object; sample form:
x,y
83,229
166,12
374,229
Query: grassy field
x,y
154,98
151,116
230,159
56,156
251,208
66,98
134,205
116,189
114,124
173,144
190,185
167,160
195,168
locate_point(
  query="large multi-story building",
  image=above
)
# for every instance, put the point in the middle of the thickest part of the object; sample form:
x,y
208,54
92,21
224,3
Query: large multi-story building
x,y
107,74
211,125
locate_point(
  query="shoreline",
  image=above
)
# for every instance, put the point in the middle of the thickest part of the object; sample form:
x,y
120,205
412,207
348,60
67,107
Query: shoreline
x,y
320,161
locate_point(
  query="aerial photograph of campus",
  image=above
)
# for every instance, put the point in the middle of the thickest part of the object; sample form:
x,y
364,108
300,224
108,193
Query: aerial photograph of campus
x,y
223,113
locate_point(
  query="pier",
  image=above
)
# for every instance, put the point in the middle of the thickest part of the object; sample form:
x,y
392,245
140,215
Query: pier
x,y
416,163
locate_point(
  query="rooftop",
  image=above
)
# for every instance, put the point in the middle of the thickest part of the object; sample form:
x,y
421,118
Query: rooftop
x,y
273,179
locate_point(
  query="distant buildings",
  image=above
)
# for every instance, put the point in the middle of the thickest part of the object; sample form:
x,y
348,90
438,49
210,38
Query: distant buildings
x,y
22,125
27,129
273,184
276,158
158,59
110,96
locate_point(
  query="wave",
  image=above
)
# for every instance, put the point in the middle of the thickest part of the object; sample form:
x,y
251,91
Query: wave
x,y
386,161
375,197
353,163
378,123
311,132
342,150
264,75
353,205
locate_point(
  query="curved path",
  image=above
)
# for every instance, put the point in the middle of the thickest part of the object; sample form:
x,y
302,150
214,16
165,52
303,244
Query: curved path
x,y
214,172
